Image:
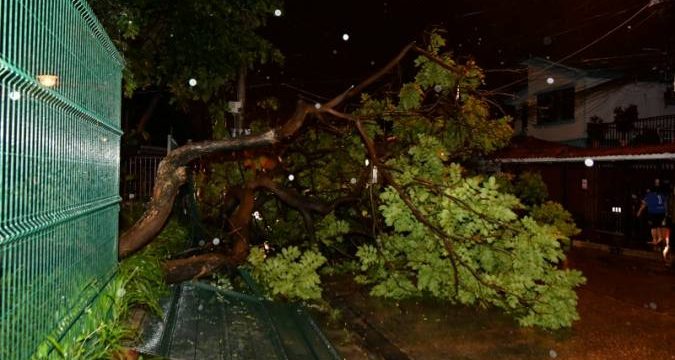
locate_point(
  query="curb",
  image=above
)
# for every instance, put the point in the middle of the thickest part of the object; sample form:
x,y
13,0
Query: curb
x,y
649,255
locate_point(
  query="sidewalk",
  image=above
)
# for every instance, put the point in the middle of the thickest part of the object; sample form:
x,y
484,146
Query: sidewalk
x,y
643,254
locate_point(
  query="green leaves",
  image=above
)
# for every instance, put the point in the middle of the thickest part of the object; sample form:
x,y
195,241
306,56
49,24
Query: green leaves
x,y
291,274
330,229
530,187
164,45
410,97
498,258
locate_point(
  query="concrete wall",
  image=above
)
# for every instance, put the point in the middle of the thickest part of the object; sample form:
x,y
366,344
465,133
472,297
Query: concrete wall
x,y
590,100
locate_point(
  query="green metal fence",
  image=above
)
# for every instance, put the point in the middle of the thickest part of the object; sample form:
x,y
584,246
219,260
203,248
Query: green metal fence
x,y
60,79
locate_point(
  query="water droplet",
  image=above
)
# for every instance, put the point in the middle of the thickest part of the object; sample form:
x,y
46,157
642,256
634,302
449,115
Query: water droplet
x,y
14,95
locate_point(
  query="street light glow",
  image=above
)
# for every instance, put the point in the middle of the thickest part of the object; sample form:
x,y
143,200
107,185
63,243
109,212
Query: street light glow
x,y
48,80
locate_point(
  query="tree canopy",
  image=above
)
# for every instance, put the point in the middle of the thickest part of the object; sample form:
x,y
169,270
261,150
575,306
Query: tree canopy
x,y
167,43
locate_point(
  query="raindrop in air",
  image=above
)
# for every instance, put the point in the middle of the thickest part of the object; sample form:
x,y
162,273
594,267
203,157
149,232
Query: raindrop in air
x,y
14,95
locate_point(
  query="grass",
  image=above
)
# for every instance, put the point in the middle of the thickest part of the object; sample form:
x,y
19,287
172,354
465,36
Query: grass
x,y
103,328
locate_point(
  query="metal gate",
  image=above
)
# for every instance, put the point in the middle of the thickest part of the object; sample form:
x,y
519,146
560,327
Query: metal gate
x,y
60,96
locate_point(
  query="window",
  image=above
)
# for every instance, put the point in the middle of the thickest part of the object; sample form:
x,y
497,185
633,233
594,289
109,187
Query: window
x,y
555,106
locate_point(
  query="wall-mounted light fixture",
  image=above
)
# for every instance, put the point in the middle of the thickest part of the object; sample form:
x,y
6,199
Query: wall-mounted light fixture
x,y
48,80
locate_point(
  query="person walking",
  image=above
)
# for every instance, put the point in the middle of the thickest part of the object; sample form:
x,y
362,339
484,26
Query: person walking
x,y
655,202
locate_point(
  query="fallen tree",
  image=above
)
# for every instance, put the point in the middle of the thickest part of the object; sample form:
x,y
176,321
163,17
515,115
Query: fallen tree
x,y
411,222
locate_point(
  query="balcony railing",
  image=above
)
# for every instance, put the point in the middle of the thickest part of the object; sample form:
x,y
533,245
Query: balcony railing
x,y
647,131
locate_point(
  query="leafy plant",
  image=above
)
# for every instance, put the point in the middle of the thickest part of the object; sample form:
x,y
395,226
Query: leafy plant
x,y
103,328
553,214
475,249
331,229
530,188
291,274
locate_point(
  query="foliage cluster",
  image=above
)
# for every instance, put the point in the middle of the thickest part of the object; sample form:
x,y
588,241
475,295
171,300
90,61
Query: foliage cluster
x,y
436,229
291,274
530,188
164,45
475,249
103,328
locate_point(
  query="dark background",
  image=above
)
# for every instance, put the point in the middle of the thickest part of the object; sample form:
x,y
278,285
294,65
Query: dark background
x,y
498,34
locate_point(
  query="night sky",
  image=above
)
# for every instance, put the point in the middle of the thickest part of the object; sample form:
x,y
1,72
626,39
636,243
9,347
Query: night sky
x,y
498,34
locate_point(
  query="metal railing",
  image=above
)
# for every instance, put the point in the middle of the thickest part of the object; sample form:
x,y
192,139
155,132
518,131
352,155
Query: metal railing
x,y
139,176
60,97
647,131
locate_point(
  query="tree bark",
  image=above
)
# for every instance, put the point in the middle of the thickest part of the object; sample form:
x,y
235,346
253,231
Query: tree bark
x,y
172,174
194,267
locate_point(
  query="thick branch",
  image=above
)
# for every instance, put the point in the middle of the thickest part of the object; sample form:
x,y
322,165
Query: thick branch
x,y
297,201
195,267
355,90
169,178
171,175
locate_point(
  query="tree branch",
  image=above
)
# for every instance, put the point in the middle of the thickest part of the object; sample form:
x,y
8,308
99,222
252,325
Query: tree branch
x,y
168,182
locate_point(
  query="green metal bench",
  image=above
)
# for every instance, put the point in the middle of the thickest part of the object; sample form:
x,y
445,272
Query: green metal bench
x,y
202,322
